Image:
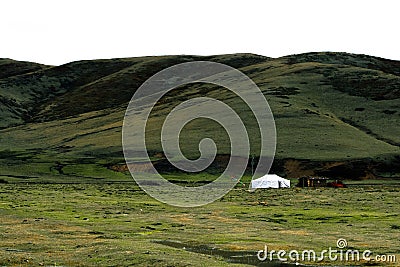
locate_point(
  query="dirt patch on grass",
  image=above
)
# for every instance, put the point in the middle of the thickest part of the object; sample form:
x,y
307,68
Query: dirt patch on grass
x,y
294,232
182,218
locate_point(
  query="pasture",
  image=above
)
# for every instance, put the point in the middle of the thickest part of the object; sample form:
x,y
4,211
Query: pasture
x,y
117,224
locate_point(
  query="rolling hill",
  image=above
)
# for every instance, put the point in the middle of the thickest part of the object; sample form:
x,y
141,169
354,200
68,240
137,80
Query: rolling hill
x,y
337,114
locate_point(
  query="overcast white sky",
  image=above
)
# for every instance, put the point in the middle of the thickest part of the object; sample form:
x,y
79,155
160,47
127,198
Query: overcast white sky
x,y
57,31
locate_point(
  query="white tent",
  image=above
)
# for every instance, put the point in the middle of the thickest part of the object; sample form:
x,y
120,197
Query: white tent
x,y
269,181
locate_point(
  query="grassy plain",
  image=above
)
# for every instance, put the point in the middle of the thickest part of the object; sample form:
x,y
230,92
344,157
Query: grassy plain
x,y
116,224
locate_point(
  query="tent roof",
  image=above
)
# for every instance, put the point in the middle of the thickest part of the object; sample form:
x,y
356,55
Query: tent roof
x,y
269,181
271,177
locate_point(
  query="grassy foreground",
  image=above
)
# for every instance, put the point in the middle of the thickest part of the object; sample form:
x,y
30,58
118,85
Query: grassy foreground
x,y
117,224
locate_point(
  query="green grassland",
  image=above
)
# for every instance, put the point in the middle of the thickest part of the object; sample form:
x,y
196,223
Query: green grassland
x,y
117,224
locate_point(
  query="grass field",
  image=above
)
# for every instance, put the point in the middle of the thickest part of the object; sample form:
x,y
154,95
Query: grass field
x,y
117,224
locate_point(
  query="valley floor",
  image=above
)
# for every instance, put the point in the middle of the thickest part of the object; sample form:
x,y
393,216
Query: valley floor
x,y
117,224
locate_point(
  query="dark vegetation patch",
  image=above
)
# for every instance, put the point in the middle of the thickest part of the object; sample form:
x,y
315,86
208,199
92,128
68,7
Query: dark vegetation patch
x,y
389,112
239,60
365,83
286,104
10,155
9,68
357,60
282,91
310,112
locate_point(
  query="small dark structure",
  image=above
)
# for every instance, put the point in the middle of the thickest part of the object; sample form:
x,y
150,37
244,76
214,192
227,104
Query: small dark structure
x,y
312,182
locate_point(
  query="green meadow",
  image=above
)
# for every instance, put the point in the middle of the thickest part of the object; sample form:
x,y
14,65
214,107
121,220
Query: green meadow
x,y
117,224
